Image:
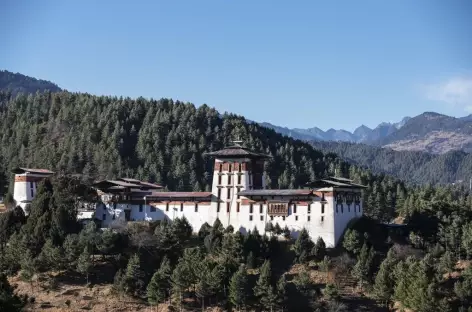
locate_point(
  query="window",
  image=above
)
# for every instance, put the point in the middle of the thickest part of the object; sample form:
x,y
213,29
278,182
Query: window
x,y
309,218
228,194
219,179
262,218
31,184
114,205
322,218
294,208
104,217
322,208
359,208
239,179
271,218
250,218
196,207
229,179
167,206
152,209
230,166
261,208
283,218
238,190
296,218
227,207
240,167
251,208
32,192
309,208
219,194
140,208
181,206
237,207
218,206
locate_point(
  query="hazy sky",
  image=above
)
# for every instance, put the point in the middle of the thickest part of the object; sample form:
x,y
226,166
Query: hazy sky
x,y
292,63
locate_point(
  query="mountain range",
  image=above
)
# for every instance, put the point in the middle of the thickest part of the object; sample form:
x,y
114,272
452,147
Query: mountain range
x,y
362,134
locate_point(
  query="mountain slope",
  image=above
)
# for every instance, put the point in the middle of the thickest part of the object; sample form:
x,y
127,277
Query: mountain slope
x,y
18,83
431,132
415,167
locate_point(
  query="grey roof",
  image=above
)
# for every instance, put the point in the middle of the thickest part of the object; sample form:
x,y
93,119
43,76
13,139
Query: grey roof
x,y
300,192
179,195
334,182
237,150
31,170
126,183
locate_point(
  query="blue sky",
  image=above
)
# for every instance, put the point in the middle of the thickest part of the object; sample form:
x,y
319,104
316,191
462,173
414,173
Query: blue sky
x,y
311,63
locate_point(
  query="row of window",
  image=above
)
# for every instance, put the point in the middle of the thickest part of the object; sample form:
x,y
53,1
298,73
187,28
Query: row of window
x,y
237,167
229,179
358,207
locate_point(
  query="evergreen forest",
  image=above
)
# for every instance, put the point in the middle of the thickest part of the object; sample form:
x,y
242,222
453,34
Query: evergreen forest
x,y
422,262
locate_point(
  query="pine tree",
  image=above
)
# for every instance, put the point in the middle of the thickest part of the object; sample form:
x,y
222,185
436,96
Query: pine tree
x,y
264,290
84,263
250,261
180,280
282,292
28,267
363,267
277,229
319,250
238,288
287,233
159,286
302,244
134,276
352,241
384,280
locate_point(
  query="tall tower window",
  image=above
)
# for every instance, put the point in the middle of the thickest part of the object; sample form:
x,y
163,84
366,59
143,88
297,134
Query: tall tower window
x,y
228,194
322,208
239,167
140,207
196,207
181,206
238,190
167,206
230,165
220,167
309,208
237,206
219,179
251,208
219,194
239,179
261,208
294,208
227,207
229,179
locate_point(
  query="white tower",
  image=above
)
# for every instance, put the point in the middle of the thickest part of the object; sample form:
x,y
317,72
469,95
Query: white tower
x,y
26,184
236,169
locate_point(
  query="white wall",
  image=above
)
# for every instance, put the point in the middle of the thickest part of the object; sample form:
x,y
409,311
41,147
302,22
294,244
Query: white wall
x,y
25,191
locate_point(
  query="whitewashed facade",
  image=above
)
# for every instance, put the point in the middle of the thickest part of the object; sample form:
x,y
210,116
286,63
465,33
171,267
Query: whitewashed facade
x,y
26,184
238,198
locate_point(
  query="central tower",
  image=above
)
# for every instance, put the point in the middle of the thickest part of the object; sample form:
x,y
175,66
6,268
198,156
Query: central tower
x,y
236,169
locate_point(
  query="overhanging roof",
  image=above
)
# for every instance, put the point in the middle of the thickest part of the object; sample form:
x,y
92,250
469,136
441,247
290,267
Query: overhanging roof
x,y
20,170
301,192
237,150
178,195
334,182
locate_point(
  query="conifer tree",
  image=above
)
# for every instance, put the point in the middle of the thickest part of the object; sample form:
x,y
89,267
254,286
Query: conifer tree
x,y
84,263
319,250
238,288
384,280
159,286
134,276
180,281
277,229
282,292
302,245
250,261
28,267
287,233
264,290
352,241
363,268
9,301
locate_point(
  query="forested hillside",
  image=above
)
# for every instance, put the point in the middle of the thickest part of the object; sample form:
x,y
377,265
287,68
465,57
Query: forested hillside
x,y
414,167
160,141
18,83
